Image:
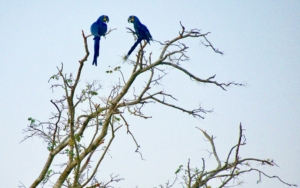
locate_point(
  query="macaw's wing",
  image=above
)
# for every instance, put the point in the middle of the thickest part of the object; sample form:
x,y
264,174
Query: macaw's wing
x,y
98,29
142,32
94,29
146,33
102,29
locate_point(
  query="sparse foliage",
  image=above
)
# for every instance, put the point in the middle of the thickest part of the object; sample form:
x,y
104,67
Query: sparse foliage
x,y
82,110
227,172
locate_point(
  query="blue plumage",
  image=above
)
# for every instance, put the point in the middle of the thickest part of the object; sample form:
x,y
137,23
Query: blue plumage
x,y
141,31
98,29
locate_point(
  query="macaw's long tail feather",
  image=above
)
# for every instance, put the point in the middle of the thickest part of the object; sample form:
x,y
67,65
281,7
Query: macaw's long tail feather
x,y
96,49
133,47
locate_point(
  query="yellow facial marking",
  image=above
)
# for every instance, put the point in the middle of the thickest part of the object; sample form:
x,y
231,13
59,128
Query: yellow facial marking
x,y
104,19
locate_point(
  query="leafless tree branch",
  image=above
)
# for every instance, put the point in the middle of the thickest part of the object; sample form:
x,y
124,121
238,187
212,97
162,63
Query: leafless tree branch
x,y
79,110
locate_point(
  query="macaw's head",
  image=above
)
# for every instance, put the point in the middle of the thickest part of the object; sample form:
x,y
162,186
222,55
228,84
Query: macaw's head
x,y
133,19
103,18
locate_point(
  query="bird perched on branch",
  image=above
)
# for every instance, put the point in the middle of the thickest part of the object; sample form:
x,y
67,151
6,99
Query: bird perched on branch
x,y
98,29
141,31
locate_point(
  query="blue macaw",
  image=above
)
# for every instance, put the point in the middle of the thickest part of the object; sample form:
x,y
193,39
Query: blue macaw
x,y
98,29
141,31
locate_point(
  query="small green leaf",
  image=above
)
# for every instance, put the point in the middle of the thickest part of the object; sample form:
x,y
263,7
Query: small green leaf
x,y
54,77
77,137
179,169
93,93
49,172
31,120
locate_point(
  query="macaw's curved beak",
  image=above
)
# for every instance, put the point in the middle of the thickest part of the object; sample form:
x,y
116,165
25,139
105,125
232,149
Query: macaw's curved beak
x,y
131,19
106,19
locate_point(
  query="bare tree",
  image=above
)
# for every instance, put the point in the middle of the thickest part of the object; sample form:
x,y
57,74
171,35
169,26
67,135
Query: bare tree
x,y
227,172
81,111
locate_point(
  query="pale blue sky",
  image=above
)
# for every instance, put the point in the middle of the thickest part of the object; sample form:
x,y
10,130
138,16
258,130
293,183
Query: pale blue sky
x,y
261,42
